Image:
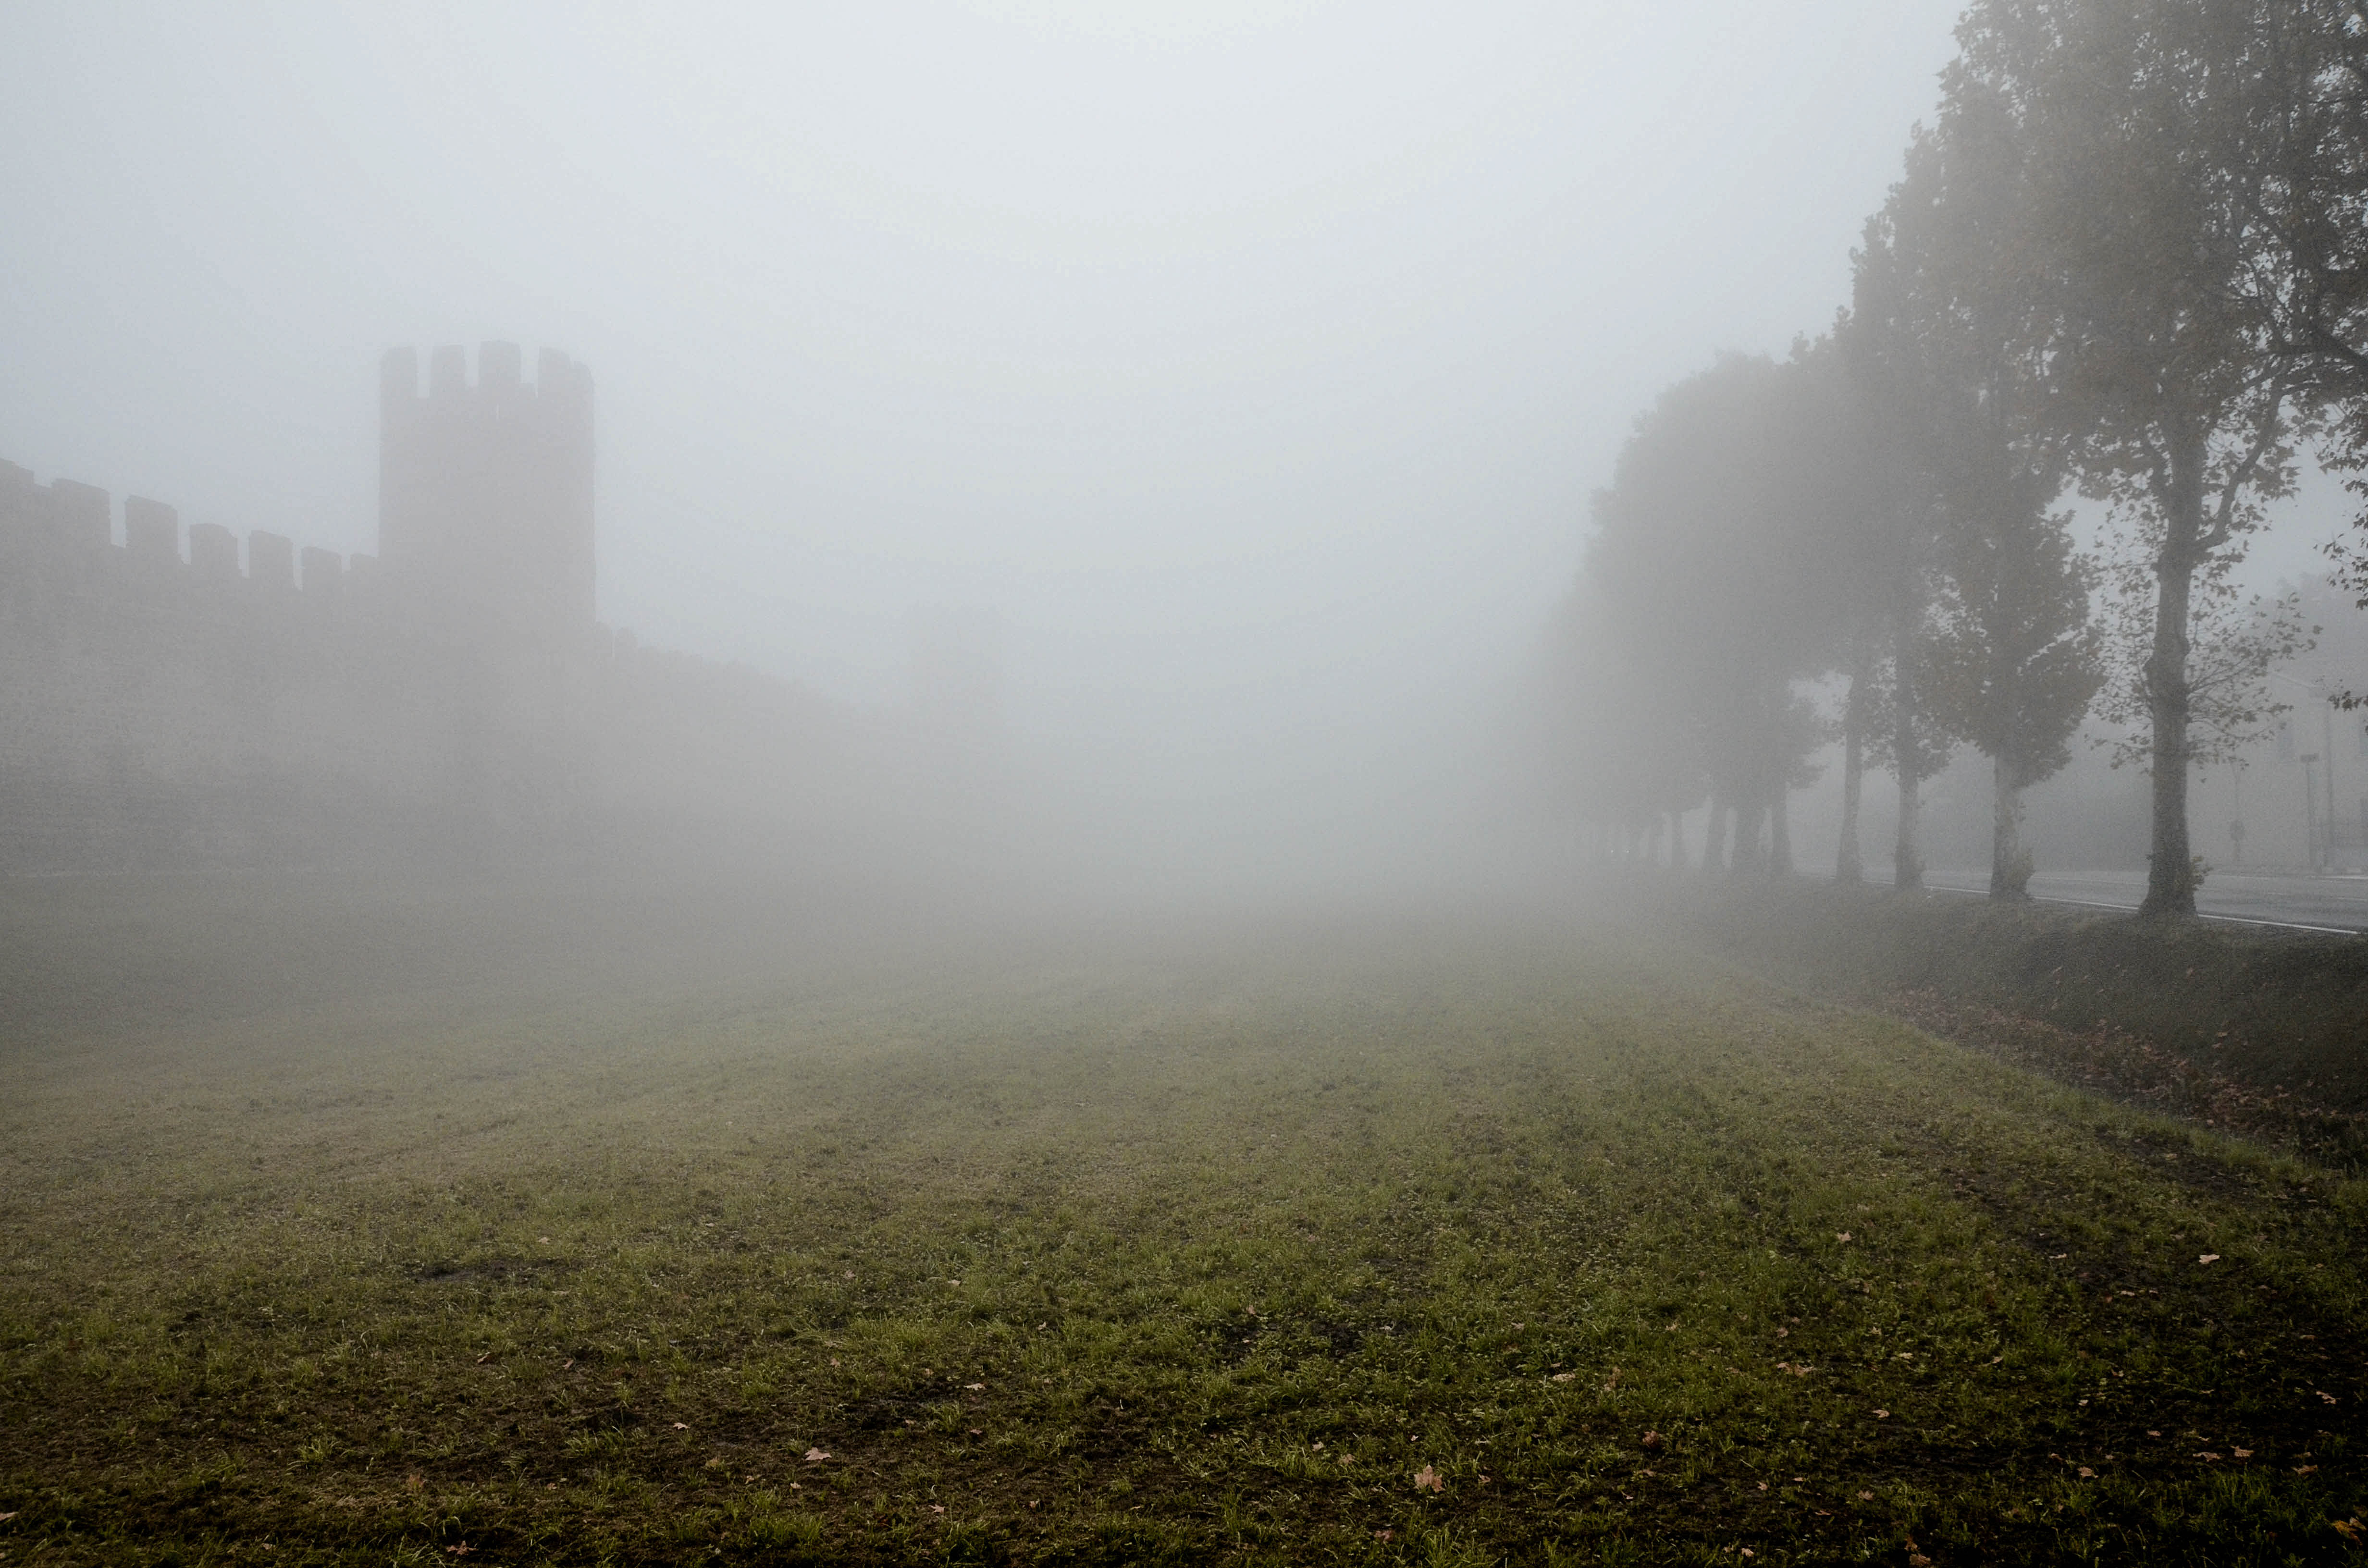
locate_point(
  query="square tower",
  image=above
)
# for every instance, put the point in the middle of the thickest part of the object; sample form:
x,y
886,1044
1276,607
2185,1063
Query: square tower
x,y
484,490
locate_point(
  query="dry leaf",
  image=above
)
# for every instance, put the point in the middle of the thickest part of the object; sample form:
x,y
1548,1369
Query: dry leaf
x,y
1883,1416
2242,1453
815,1456
414,1481
936,1507
2209,1456
1866,1496
2325,1395
2306,1470
1841,1235
1428,1479
2209,1257
2087,1471
1652,1439
682,1425
975,1388
1562,1377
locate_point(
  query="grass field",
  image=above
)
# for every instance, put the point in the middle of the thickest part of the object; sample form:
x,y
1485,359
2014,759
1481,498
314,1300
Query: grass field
x,y
591,1226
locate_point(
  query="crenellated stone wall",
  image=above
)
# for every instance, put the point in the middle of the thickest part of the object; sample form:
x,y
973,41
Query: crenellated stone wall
x,y
190,698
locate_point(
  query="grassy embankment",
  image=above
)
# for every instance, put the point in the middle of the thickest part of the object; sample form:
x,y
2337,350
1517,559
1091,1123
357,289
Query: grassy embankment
x,y
585,1228
2259,1030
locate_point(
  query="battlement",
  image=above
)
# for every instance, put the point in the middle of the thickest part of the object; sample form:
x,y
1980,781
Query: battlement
x,y
70,526
560,385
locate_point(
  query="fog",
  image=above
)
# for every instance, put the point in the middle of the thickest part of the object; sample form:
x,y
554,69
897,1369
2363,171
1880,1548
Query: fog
x,y
1251,364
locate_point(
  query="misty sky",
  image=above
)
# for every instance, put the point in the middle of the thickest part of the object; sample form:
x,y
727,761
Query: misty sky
x,y
1253,361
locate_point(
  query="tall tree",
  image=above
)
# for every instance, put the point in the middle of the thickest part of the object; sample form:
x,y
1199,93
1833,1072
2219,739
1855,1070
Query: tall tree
x,y
2012,660
1712,565
2148,170
1893,536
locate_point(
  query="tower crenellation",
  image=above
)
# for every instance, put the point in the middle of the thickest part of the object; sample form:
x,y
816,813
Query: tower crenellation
x,y
486,486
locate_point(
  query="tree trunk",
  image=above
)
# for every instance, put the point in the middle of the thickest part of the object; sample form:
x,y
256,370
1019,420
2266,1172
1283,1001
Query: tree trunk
x,y
2171,864
1907,864
1749,813
1780,834
1714,834
1848,866
2009,861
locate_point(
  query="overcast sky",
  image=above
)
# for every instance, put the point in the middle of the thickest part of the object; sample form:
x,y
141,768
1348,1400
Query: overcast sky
x,y
1254,362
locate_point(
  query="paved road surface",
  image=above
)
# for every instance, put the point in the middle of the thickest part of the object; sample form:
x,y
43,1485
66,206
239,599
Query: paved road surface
x,y
2337,903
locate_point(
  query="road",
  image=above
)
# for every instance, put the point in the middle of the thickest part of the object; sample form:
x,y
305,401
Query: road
x,y
2316,904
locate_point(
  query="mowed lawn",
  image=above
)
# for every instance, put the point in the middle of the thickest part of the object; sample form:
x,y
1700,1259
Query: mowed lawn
x,y
584,1227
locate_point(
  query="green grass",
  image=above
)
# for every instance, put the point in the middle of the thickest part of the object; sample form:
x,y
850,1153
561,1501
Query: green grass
x,y
563,1231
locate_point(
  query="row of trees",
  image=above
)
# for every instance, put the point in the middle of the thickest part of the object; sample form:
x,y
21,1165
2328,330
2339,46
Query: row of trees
x,y
2129,259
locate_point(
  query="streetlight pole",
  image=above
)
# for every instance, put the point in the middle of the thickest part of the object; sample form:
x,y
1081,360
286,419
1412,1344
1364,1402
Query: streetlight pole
x,y
2310,807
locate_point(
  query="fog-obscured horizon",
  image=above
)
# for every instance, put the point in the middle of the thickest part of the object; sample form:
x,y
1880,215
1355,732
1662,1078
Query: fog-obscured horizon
x,y
1250,366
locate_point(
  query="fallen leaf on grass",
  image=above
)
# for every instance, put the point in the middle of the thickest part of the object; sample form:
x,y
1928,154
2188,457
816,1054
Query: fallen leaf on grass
x,y
2088,1473
815,1456
2209,1257
2242,1453
1427,1478
1866,1496
2306,1470
975,1388
2348,1529
1562,1377
485,1357
1883,1416
1652,1439
1841,1235
2209,1457
414,1481
1385,1534
14,1511
2325,1395
936,1507
682,1425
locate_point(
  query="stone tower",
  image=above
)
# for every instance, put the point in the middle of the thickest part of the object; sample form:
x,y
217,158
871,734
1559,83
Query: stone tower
x,y
484,490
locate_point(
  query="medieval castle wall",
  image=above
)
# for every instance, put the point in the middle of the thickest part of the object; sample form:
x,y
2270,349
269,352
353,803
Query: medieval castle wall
x,y
165,702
